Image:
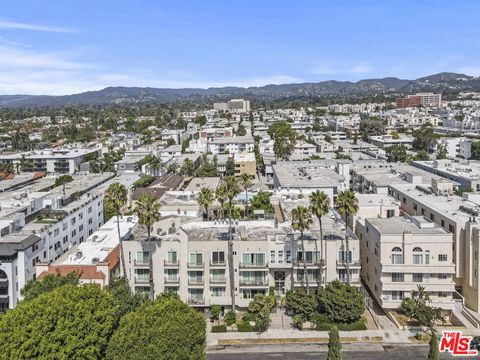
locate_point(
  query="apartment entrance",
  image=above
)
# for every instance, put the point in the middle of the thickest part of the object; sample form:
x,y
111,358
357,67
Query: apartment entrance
x,y
279,277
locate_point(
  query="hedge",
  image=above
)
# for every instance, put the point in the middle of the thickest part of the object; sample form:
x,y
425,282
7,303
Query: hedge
x,y
322,325
244,326
219,328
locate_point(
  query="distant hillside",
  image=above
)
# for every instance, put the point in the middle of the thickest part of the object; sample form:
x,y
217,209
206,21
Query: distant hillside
x,y
442,82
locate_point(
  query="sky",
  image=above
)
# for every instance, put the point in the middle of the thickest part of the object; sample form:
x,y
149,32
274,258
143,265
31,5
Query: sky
x,y
61,47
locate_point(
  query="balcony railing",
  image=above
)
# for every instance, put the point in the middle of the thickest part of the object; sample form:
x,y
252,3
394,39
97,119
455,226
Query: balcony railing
x,y
218,280
142,280
195,281
172,280
196,300
253,265
309,263
171,263
141,262
217,263
253,282
195,265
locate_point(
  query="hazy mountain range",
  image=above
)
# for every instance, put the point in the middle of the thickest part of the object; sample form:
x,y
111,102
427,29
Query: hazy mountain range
x,y
442,82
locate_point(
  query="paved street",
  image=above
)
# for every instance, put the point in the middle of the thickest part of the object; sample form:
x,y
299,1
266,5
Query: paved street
x,y
364,352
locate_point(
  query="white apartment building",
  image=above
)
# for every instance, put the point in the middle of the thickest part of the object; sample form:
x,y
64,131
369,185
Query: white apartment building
x,y
239,105
398,254
193,260
231,145
62,161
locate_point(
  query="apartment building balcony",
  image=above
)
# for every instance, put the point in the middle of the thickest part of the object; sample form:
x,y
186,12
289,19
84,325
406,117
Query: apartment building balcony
x,y
311,280
309,263
351,265
222,280
142,280
172,280
195,281
217,263
431,286
195,265
141,263
253,265
254,283
196,300
169,263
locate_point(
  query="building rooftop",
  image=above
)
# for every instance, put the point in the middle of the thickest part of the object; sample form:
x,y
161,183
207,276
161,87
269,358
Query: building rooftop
x,y
199,182
306,174
400,225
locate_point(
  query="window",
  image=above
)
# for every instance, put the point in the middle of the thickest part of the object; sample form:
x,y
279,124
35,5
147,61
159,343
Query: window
x,y
414,206
442,257
423,211
343,258
417,256
172,257
451,228
288,256
432,217
443,276
257,259
442,223
427,257
390,213
272,256
217,291
143,257
170,289
442,294
397,295
397,256
217,275
218,257
397,277
417,278
196,259
280,256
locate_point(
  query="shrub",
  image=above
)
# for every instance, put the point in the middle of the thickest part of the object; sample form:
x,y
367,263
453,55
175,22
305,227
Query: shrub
x,y
230,318
144,181
215,310
341,303
300,303
334,345
244,326
219,328
322,323
297,322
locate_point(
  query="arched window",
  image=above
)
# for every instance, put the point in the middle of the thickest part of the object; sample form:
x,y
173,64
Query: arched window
x,y
3,274
397,256
427,257
417,256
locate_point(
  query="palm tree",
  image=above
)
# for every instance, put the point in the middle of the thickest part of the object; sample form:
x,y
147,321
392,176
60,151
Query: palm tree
x,y
172,168
205,198
319,204
347,204
221,195
155,163
245,181
301,221
116,198
231,190
147,210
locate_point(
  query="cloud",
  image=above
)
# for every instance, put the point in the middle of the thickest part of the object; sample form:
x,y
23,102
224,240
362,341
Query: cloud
x,y
13,25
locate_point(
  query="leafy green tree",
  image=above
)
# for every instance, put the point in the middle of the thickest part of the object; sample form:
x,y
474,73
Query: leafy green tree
x,y
261,201
319,205
155,163
475,150
341,303
259,311
36,287
347,204
181,124
419,309
285,140
334,345
424,137
63,179
188,168
301,303
164,329
116,198
433,352
200,120
170,142
230,167
302,221
370,126
397,153
422,155
144,181
205,199
69,322
441,152
148,212
215,310
241,131
128,300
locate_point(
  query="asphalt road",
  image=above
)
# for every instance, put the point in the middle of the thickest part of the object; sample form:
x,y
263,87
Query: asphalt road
x,y
390,353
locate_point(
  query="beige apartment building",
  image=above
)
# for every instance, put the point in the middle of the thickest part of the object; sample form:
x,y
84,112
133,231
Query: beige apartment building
x,y
192,259
457,215
400,253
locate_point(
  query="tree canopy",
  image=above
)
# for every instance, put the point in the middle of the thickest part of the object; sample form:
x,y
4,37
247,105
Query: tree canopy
x,y
69,322
341,303
37,287
164,329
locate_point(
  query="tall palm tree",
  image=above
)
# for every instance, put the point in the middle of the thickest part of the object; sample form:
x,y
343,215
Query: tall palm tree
x,y
147,210
245,181
319,204
221,195
205,198
347,204
155,163
301,221
231,190
116,198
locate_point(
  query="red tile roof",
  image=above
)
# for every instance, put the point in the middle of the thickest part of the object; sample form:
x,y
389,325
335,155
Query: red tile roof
x,y
86,271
